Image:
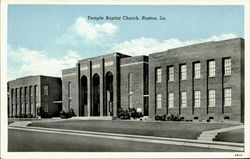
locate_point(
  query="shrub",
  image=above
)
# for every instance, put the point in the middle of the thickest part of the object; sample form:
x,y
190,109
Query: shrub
x,y
123,114
173,117
160,117
71,112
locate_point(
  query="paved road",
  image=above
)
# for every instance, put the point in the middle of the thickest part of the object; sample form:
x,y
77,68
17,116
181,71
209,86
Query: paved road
x,y
23,141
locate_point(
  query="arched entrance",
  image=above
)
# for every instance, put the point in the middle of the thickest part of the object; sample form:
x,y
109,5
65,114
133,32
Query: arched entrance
x,y
84,96
108,106
95,110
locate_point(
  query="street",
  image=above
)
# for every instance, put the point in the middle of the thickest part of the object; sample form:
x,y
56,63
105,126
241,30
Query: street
x,y
30,141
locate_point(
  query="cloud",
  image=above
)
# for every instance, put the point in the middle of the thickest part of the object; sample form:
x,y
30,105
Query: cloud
x,y
84,31
25,62
145,46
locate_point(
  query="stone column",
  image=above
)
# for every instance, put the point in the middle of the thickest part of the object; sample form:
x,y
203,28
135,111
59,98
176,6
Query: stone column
x,y
10,102
14,102
115,86
101,87
89,88
77,112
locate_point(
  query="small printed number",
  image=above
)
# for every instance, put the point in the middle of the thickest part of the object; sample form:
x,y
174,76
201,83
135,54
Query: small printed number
x,y
238,154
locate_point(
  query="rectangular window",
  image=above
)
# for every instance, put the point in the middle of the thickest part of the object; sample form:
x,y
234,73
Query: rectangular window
x,y
130,80
14,109
211,68
130,101
17,94
227,97
45,90
46,107
227,66
158,75
70,90
21,92
17,109
211,98
32,109
170,100
31,93
171,73
26,94
183,99
197,70
197,98
158,101
183,72
12,95
27,109
36,91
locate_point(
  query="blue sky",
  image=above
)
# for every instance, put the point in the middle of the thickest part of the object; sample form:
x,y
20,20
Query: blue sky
x,y
43,39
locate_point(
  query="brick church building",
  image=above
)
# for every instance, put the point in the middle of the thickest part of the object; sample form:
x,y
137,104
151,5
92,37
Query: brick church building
x,y
197,82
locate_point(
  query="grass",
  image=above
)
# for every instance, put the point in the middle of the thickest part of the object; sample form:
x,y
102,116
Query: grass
x,y
162,129
231,136
28,141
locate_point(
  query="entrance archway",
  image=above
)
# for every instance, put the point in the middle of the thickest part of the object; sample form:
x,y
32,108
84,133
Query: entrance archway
x,y
95,111
108,106
84,96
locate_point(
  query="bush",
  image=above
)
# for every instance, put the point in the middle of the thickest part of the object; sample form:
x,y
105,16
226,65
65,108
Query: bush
x,y
160,117
67,115
173,117
123,114
72,112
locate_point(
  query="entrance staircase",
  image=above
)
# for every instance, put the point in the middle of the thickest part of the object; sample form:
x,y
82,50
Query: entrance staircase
x,y
210,135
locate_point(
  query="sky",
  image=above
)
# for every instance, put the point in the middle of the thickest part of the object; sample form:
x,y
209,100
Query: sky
x,y
44,39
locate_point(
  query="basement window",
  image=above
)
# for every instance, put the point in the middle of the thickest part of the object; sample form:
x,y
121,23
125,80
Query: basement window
x,y
196,118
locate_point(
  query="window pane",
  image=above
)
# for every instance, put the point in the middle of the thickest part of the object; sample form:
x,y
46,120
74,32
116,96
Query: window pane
x,y
211,68
171,73
211,97
227,66
170,100
158,101
183,72
183,99
158,75
130,81
197,70
46,90
227,97
197,98
69,89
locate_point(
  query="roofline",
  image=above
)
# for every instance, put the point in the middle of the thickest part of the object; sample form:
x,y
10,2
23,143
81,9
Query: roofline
x,y
197,44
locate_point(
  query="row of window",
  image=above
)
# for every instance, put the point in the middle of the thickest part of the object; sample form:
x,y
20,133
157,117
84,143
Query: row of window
x,y
196,70
227,97
25,93
16,110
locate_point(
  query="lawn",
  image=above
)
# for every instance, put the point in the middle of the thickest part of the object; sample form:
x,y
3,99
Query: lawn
x,y
28,141
231,136
162,129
